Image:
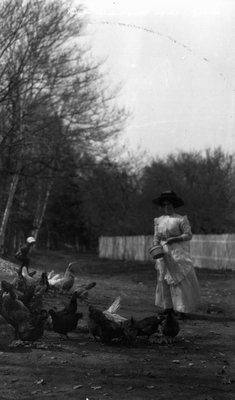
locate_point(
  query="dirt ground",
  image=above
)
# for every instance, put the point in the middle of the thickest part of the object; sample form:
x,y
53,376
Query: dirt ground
x,y
200,365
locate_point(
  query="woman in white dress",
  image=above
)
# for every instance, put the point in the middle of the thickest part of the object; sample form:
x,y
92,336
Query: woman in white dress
x,y
177,286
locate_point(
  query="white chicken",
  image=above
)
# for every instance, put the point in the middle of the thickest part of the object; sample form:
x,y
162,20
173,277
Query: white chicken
x,y
64,281
51,274
53,277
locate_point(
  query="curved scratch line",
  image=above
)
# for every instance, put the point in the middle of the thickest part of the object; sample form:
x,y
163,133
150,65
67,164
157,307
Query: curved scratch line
x,y
187,48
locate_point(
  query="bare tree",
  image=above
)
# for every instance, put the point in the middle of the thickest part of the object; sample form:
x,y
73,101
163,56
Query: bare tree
x,y
45,75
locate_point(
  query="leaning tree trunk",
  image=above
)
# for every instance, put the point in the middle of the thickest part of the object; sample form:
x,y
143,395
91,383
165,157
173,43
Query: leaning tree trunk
x,y
16,105
41,209
7,211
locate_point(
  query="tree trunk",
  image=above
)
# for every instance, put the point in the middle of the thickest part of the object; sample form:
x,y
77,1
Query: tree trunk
x,y
41,209
7,211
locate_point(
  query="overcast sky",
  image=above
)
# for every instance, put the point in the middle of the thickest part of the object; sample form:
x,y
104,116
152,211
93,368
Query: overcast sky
x,y
176,60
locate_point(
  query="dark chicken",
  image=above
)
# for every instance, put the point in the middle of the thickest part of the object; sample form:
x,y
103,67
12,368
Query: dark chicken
x,y
147,326
7,332
33,329
170,326
42,285
70,308
65,320
66,323
27,297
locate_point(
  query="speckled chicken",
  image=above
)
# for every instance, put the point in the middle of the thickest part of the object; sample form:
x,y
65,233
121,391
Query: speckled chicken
x,y
12,309
102,327
106,326
32,295
28,324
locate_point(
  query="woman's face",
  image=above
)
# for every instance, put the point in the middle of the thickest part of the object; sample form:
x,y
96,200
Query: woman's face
x,y
167,207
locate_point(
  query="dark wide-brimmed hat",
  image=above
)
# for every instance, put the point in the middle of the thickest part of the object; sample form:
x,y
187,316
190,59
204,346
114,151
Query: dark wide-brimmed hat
x,y
170,196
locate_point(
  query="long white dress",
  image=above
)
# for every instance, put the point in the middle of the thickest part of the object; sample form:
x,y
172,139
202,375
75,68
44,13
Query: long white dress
x,y
177,286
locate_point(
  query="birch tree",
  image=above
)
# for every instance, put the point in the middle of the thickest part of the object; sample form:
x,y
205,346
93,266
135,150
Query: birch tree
x,y
44,74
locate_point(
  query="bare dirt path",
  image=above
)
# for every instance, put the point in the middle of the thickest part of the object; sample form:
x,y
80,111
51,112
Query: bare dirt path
x,y
200,365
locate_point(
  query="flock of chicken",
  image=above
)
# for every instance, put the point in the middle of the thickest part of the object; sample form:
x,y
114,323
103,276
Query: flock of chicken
x,y
23,314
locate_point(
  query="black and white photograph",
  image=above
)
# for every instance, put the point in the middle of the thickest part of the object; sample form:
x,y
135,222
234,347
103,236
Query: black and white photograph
x,y
117,211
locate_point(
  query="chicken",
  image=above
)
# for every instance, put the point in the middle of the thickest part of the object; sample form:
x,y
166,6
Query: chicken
x,y
170,327
31,281
147,326
51,274
100,326
28,321
42,286
20,283
64,281
70,308
82,291
32,295
33,328
26,296
7,332
66,323
65,320
52,277
107,325
12,309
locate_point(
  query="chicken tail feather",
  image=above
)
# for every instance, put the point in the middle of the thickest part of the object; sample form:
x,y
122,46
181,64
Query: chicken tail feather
x,y
115,305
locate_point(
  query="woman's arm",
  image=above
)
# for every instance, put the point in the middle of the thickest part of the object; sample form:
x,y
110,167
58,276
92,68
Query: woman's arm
x,y
156,236
186,234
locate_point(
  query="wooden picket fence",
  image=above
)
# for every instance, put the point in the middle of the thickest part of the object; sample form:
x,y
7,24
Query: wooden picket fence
x,y
207,251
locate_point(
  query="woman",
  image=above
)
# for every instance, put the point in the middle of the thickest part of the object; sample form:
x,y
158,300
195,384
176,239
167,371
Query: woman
x,y
177,286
